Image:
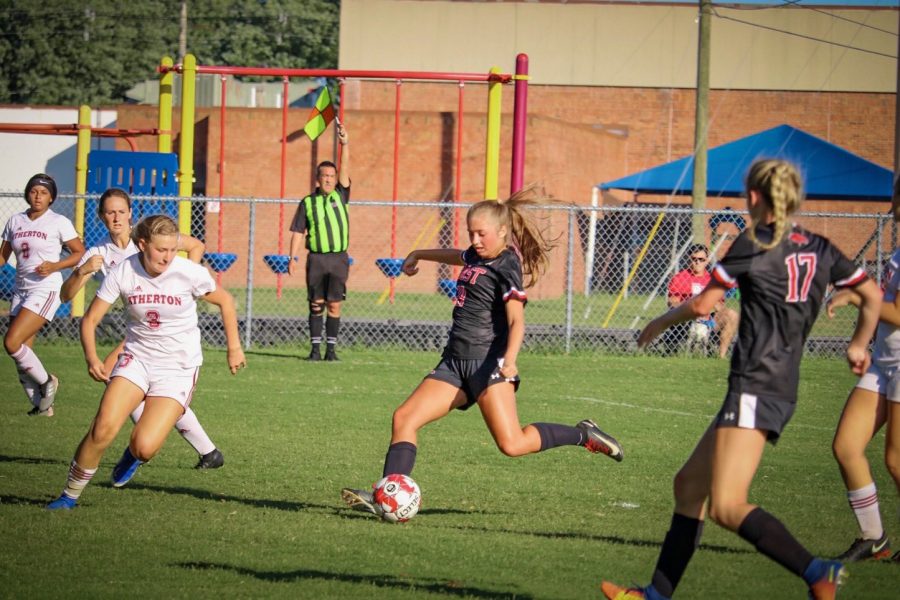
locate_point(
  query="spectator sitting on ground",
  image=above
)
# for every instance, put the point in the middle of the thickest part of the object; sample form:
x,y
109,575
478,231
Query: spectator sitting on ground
x,y
688,283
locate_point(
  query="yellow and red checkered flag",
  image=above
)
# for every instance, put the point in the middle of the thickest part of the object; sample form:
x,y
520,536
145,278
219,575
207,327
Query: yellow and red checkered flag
x,y
321,115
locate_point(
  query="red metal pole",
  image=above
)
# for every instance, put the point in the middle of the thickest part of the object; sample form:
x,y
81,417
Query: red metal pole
x,y
284,107
457,195
396,179
221,228
338,73
520,112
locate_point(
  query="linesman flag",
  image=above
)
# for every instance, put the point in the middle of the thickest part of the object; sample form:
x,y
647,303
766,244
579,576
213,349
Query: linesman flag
x,y
321,115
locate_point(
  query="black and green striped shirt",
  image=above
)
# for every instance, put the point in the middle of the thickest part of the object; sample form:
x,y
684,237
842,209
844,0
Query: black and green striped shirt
x,y
325,220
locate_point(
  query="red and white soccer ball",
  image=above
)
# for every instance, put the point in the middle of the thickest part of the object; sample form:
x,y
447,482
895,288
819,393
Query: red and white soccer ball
x,y
399,498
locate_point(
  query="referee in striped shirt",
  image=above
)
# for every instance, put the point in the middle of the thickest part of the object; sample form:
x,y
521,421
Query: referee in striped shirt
x,y
323,220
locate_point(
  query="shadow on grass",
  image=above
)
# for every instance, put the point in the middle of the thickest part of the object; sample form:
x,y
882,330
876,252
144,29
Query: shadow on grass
x,y
288,505
608,539
388,582
9,499
199,494
31,460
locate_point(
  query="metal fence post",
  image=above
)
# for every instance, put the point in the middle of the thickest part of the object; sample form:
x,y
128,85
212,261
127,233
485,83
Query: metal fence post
x,y
879,258
251,236
570,267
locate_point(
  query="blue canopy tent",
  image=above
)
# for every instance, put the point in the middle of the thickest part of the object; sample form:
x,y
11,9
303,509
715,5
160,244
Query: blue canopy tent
x,y
829,171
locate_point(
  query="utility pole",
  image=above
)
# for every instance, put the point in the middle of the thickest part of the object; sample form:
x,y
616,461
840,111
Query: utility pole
x,y
182,34
701,123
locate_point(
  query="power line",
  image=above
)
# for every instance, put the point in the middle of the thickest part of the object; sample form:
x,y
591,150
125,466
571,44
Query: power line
x,y
836,16
800,35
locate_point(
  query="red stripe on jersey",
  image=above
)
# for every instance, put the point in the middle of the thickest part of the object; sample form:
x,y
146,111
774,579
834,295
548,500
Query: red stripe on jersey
x,y
858,277
722,277
515,294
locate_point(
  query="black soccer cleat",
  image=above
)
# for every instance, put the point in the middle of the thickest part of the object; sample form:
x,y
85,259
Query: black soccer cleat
x,y
211,460
331,355
598,442
314,355
862,549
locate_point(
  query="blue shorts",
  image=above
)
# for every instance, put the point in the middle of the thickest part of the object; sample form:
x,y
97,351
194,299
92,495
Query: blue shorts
x,y
472,376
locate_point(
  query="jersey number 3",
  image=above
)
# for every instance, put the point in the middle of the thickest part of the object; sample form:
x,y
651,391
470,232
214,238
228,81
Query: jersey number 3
x,y
799,284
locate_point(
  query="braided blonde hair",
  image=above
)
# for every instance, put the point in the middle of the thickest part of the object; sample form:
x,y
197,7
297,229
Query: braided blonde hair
x,y
781,188
525,232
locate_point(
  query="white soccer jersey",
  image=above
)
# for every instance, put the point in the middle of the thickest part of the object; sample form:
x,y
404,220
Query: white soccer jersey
x,y
34,242
111,253
887,337
161,323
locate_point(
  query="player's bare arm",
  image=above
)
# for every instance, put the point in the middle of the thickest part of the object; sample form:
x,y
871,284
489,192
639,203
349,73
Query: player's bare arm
x,y
447,256
515,319
225,302
89,322
869,311
192,246
5,251
79,277
701,304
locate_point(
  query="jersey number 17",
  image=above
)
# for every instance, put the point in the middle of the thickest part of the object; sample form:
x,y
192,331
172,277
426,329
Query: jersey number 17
x,y
799,284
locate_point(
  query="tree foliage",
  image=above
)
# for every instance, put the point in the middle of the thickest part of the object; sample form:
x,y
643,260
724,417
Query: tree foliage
x,y
92,51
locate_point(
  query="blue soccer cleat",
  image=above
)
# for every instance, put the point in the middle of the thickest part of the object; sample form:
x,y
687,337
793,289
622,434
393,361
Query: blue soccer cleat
x,y
830,575
62,503
125,469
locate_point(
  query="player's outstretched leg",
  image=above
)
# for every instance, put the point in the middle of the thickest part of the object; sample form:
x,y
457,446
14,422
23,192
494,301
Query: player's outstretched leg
x,y
125,469
824,577
598,442
862,549
362,500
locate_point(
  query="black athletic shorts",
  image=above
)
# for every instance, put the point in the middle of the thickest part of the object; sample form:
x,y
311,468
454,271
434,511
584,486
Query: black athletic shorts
x,y
326,276
472,376
749,411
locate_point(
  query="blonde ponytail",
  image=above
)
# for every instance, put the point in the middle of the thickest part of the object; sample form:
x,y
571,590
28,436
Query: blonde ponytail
x,y
781,188
526,233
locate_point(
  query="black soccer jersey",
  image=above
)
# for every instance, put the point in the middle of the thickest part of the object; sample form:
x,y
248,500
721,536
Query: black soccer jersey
x,y
781,293
479,314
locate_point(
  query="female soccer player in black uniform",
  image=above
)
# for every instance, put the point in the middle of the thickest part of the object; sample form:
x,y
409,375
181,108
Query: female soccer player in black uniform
x,y
782,271
478,365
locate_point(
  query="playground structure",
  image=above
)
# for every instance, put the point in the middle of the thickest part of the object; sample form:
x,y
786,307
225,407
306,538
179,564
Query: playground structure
x,y
153,176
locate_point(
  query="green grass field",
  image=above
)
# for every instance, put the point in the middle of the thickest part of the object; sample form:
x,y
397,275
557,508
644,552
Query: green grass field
x,y
270,523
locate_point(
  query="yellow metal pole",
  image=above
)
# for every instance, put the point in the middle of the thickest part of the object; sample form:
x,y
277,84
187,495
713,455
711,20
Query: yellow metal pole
x,y
634,269
492,152
164,140
186,147
83,147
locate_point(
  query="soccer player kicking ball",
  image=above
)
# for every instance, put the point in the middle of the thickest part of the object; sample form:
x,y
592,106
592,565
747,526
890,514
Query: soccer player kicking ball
x,y
478,365
162,356
782,271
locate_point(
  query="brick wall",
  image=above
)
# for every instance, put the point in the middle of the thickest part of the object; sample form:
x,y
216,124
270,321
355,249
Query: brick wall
x,y
576,137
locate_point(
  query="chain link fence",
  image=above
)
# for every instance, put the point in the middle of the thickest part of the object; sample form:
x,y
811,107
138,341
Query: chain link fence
x,y
609,274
